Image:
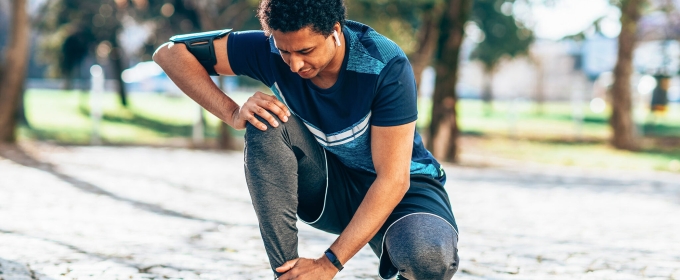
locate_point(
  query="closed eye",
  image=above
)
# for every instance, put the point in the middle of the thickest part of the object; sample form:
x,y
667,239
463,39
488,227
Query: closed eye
x,y
303,51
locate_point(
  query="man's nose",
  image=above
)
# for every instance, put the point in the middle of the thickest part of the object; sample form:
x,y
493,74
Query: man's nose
x,y
296,63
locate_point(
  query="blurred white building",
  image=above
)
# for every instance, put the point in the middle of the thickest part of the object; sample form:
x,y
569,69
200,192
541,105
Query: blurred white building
x,y
560,70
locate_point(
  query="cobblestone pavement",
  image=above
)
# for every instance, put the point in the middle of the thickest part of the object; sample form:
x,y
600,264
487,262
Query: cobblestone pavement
x,y
160,213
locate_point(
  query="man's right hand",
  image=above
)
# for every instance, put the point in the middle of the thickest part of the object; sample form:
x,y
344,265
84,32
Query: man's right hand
x,y
262,105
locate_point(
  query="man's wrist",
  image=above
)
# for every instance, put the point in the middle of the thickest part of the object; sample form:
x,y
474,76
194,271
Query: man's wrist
x,y
327,265
333,259
231,120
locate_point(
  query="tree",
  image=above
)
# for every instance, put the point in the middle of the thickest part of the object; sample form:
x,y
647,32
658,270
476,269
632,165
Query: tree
x,y
427,35
624,135
412,24
91,25
444,127
73,51
77,28
13,71
439,32
621,121
504,36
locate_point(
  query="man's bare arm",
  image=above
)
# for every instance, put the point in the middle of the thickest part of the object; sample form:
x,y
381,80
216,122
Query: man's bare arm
x,y
391,148
190,76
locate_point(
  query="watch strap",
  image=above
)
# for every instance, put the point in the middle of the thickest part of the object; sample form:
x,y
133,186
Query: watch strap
x,y
334,259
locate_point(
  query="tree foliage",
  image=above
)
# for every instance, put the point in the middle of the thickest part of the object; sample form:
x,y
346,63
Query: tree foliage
x,y
503,35
398,20
80,28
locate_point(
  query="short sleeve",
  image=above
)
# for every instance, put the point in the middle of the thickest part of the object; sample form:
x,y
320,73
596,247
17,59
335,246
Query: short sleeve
x,y
250,55
395,102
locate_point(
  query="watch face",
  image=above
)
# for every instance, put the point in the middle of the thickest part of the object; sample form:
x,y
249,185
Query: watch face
x,y
330,256
207,35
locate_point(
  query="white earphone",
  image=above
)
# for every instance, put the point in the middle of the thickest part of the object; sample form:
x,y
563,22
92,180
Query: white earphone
x,y
337,39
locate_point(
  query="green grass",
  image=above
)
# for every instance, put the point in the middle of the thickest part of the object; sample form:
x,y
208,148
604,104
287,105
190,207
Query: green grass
x,y
552,121
585,155
64,117
512,131
522,132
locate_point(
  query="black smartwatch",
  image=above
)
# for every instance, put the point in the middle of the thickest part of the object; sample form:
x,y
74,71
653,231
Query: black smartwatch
x,y
334,260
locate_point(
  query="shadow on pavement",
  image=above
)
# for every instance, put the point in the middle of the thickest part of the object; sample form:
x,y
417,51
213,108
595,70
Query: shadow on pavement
x,y
19,156
14,270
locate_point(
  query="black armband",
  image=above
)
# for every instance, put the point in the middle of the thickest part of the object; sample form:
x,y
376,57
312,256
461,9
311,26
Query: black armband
x,y
201,46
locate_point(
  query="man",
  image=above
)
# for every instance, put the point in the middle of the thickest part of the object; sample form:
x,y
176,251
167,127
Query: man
x,y
335,147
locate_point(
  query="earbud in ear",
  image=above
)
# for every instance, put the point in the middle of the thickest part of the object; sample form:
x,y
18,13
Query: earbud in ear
x,y
337,39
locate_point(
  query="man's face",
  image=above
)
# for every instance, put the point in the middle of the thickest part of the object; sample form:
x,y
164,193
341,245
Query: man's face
x,y
305,51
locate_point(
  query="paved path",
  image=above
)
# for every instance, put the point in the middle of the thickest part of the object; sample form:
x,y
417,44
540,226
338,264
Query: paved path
x,y
155,213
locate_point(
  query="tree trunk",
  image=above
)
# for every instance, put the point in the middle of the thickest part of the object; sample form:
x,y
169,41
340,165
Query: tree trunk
x,y
13,73
444,127
623,127
540,84
427,42
20,116
487,92
118,67
224,140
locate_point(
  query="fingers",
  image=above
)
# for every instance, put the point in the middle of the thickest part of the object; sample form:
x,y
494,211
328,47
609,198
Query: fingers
x,y
257,123
272,104
264,114
264,106
286,266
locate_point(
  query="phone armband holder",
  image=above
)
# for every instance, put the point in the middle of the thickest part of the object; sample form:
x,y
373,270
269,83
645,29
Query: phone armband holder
x,y
201,46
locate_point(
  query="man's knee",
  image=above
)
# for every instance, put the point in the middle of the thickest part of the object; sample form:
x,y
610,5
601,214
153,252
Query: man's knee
x,y
429,262
433,263
423,247
251,129
273,139
294,125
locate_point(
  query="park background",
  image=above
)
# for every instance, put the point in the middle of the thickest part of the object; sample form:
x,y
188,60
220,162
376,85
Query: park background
x,y
530,76
555,84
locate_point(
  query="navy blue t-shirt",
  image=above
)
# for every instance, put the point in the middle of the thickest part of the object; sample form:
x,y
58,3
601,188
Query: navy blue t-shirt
x,y
375,86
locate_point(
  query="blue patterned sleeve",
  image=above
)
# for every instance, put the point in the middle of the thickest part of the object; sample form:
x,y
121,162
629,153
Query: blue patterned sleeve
x,y
249,55
395,100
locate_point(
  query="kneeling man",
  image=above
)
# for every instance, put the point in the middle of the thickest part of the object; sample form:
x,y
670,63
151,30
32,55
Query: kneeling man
x,y
336,146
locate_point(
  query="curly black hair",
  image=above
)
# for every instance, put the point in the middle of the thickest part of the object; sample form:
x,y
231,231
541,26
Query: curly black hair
x,y
293,15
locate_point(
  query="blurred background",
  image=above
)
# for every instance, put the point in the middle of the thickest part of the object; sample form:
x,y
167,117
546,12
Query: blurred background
x,y
589,83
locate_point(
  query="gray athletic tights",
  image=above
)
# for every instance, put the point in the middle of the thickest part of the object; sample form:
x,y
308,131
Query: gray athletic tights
x,y
286,174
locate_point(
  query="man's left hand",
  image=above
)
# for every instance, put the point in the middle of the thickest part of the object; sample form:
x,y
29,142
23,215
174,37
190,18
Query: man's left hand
x,y
302,268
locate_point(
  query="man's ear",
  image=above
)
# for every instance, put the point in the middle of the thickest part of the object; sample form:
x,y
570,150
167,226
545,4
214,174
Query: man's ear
x,y
337,30
337,39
